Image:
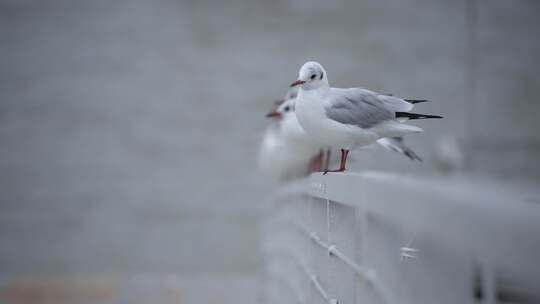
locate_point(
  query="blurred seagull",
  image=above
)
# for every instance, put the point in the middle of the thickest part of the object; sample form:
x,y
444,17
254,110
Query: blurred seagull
x,y
346,118
285,151
292,132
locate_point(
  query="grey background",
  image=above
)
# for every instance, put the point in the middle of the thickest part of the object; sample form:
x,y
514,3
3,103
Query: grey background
x,y
129,129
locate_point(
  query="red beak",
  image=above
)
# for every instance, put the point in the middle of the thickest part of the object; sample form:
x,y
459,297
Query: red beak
x,y
297,82
273,114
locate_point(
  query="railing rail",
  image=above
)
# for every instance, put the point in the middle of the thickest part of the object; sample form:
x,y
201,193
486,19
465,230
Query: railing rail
x,y
353,236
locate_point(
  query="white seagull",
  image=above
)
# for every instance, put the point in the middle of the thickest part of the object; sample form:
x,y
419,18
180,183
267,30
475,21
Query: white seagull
x,y
286,152
346,118
294,134
291,130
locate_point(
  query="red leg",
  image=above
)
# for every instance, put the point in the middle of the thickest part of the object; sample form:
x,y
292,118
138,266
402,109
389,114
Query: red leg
x,y
316,163
327,159
311,167
344,154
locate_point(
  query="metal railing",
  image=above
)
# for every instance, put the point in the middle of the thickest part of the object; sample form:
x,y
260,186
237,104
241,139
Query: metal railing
x,y
385,238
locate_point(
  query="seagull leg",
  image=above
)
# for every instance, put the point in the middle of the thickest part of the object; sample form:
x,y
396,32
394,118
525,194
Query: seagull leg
x,y
344,154
316,162
327,159
343,162
311,166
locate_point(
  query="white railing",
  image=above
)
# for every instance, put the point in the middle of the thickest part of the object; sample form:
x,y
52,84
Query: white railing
x,y
385,238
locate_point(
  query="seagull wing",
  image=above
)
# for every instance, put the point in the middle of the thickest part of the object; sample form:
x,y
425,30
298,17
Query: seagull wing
x,y
363,108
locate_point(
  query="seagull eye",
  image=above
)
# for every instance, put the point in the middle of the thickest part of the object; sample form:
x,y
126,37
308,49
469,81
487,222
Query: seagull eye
x,y
287,109
313,76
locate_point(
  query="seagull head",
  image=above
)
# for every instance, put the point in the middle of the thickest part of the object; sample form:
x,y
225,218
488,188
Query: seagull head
x,y
284,106
311,76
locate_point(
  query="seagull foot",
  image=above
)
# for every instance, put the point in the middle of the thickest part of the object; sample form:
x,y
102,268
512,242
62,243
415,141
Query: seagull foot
x,y
334,171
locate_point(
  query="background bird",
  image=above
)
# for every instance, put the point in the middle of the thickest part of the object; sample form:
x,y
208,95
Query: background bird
x,y
286,152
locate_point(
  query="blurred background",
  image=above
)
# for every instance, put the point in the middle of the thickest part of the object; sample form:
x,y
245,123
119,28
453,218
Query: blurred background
x,y
129,129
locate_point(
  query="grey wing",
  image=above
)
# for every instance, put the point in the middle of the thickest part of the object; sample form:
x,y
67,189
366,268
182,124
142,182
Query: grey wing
x,y
357,107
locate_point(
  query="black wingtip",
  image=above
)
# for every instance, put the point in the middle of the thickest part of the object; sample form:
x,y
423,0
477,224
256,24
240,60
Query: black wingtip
x,y
412,156
415,101
416,116
415,156
422,116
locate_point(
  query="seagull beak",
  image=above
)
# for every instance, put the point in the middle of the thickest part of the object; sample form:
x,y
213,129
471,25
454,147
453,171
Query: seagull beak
x,y
297,82
273,114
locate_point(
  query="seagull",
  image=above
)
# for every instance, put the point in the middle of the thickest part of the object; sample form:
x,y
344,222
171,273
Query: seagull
x,y
348,118
295,134
286,152
291,130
